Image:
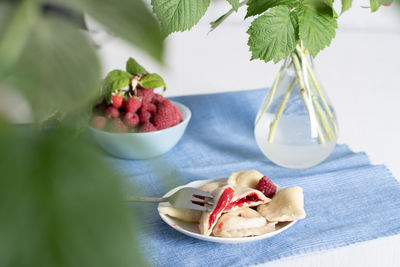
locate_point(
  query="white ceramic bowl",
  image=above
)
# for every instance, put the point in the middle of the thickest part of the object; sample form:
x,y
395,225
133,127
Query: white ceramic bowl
x,y
143,145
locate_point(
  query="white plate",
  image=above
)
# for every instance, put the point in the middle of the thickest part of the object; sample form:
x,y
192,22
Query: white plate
x,y
191,229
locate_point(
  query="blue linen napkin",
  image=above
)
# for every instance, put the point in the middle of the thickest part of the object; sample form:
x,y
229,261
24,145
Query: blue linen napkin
x,y
347,200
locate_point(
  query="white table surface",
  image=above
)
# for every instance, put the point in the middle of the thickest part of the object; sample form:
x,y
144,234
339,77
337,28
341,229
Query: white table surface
x,y
360,72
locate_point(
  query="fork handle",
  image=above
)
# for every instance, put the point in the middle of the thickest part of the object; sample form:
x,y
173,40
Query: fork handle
x,y
146,199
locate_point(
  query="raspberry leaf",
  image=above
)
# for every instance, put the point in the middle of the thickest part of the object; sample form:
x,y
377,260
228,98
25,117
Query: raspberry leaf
x,y
234,4
153,80
375,4
214,24
128,19
256,7
346,5
62,74
55,193
273,35
179,15
134,68
317,26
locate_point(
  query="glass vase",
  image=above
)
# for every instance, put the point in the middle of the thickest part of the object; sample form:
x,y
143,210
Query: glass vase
x,y
296,125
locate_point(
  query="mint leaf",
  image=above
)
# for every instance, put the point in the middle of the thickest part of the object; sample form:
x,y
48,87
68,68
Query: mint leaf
x,y
273,35
346,5
317,27
375,4
256,7
128,19
153,80
134,68
179,15
234,4
116,80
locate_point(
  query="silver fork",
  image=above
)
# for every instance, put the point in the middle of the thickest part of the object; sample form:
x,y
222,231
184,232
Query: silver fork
x,y
184,198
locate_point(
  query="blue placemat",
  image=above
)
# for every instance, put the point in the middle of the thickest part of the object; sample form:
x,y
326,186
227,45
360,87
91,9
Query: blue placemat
x,y
347,199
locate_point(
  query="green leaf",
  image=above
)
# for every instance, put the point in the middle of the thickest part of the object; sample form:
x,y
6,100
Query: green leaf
x,y
256,7
346,5
234,4
74,201
375,4
273,35
330,4
58,69
153,80
317,27
128,19
16,21
179,15
116,80
134,68
217,22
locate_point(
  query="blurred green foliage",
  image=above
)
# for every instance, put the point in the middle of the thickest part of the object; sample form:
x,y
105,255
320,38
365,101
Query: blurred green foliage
x,y
60,204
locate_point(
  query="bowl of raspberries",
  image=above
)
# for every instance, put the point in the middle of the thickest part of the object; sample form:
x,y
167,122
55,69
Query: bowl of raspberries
x,y
134,122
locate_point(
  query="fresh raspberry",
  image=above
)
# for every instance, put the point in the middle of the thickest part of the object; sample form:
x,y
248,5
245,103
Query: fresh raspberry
x,y
157,98
177,118
132,104
144,116
112,112
131,119
145,94
118,126
99,122
164,116
178,113
167,102
149,107
117,101
148,127
266,186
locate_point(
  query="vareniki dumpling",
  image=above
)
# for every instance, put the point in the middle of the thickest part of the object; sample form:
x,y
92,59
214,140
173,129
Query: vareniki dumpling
x,y
247,179
286,205
241,223
222,197
246,197
182,214
211,187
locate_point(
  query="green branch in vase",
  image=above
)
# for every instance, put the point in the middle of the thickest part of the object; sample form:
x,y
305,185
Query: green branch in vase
x,y
321,95
280,111
304,91
271,95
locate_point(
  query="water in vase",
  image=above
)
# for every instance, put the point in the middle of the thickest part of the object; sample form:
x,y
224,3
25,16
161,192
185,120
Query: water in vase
x,y
292,146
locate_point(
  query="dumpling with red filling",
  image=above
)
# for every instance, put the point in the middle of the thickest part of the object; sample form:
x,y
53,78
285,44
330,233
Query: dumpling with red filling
x,y
246,197
222,198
